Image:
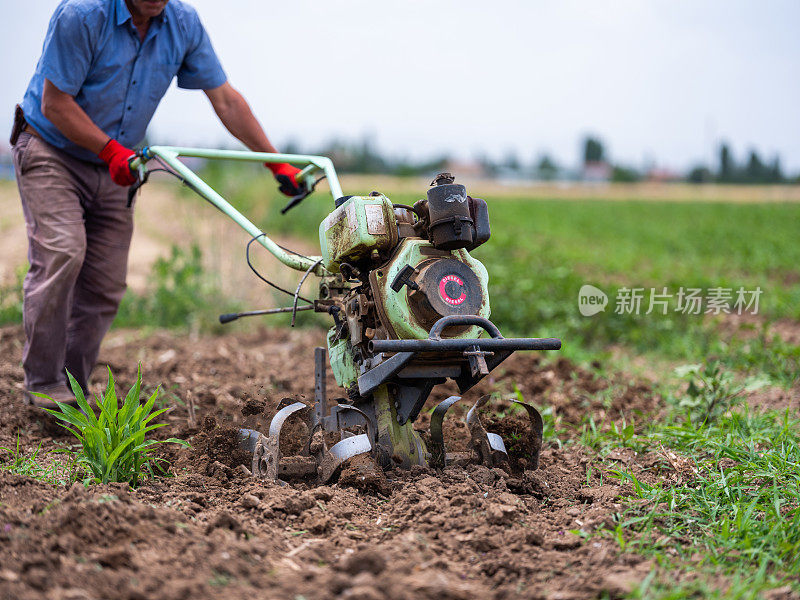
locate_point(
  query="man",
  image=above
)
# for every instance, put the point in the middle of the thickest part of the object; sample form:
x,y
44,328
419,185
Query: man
x,y
104,68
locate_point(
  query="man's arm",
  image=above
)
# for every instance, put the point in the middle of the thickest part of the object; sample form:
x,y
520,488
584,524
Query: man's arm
x,y
62,111
235,114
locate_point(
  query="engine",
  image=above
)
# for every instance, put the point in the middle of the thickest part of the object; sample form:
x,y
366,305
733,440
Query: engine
x,y
398,269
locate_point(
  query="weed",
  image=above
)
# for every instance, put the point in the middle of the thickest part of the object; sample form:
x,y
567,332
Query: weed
x,y
114,447
735,511
712,391
37,467
219,578
180,295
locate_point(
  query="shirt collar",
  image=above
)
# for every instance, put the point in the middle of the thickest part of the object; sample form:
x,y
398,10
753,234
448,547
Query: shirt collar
x,y
124,15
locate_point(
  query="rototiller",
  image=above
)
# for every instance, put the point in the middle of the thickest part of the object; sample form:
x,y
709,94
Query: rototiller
x,y
409,305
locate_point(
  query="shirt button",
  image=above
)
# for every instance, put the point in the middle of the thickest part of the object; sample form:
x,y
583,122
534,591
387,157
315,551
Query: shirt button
x,y
122,133
130,107
133,82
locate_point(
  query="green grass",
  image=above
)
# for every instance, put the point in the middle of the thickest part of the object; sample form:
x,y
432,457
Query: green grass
x,y
38,466
722,511
11,299
180,294
542,252
739,517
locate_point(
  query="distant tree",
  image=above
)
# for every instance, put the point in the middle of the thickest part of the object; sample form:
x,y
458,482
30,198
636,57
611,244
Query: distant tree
x,y
488,165
620,174
291,147
775,172
727,166
755,171
546,168
511,162
406,168
700,174
593,150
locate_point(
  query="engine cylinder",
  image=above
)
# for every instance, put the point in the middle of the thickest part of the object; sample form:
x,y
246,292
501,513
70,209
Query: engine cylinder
x,y
451,225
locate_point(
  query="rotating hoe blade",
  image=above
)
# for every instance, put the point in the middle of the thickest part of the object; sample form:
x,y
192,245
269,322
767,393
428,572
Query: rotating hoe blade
x,y
316,460
342,451
381,426
487,448
267,460
438,452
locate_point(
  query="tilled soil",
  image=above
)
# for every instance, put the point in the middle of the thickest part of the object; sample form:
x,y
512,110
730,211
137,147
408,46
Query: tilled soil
x,y
212,531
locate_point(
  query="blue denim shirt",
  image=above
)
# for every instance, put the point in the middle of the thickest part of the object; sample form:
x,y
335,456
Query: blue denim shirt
x,y
92,51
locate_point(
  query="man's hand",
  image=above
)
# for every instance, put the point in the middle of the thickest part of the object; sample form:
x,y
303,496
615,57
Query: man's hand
x,y
286,175
116,156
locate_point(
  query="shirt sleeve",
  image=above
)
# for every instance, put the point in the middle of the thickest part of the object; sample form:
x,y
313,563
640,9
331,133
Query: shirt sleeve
x,y
67,52
201,69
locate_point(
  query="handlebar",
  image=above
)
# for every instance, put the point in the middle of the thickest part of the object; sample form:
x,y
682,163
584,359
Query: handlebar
x,y
310,166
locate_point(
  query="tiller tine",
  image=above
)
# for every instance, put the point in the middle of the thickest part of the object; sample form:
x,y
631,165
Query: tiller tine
x,y
268,463
489,447
342,451
535,434
267,460
438,452
348,447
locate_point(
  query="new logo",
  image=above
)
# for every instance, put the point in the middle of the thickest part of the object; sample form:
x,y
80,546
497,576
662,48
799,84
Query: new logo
x,y
591,300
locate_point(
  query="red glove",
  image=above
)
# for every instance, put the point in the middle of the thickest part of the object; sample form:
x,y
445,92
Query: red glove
x,y
116,156
285,174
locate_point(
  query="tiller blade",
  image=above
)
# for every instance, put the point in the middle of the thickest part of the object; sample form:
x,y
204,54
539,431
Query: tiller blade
x,y
487,448
384,432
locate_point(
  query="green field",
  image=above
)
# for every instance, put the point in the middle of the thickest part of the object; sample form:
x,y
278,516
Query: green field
x,y
543,250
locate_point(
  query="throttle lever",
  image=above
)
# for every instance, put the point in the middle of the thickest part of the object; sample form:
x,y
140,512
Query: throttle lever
x,y
295,200
142,179
135,187
307,190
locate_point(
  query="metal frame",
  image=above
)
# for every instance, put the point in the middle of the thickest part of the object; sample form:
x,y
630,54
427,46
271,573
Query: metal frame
x,y
310,166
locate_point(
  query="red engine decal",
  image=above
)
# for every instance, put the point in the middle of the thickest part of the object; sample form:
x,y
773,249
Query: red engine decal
x,y
458,292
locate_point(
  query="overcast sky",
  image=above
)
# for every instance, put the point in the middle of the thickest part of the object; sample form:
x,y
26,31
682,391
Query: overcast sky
x,y
659,81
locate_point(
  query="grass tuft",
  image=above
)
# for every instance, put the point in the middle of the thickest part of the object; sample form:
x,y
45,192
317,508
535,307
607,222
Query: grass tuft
x,y
114,446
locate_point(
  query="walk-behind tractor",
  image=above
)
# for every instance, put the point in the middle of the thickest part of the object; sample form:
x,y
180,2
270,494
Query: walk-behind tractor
x,y
409,305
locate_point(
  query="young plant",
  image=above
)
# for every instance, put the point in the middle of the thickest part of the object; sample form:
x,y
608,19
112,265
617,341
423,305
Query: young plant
x,y
712,391
114,446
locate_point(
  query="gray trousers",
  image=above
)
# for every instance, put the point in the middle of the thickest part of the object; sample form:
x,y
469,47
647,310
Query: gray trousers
x,y
79,232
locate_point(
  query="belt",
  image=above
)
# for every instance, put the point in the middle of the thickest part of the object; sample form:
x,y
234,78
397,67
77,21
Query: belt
x,y
31,130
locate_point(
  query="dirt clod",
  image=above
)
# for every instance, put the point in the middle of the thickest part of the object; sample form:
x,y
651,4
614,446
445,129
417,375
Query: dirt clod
x,y
366,560
249,501
362,473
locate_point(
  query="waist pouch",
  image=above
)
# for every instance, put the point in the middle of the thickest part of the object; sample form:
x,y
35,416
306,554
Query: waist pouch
x,y
19,124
